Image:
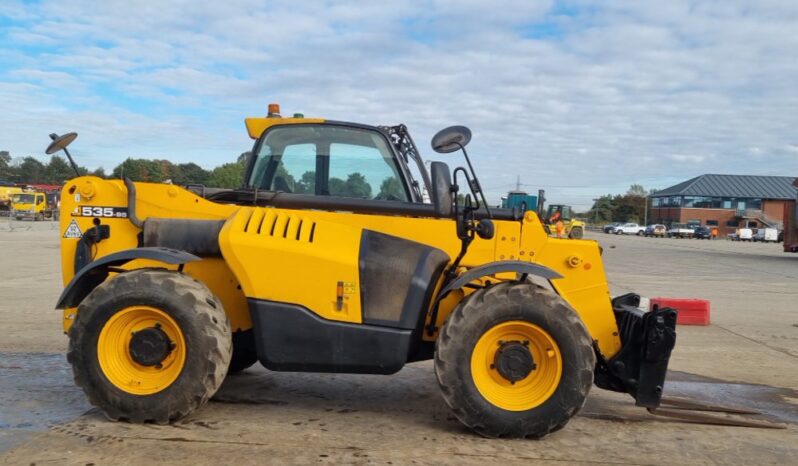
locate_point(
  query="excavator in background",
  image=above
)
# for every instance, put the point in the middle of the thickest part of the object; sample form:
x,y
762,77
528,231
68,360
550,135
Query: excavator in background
x,y
573,228
521,201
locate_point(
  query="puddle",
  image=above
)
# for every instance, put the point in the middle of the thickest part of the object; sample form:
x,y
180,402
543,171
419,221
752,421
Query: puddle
x,y
774,404
36,391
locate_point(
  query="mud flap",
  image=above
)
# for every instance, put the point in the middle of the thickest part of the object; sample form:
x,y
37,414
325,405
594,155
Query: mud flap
x,y
647,338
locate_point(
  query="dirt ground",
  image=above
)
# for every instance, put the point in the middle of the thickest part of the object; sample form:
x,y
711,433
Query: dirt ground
x,y
747,357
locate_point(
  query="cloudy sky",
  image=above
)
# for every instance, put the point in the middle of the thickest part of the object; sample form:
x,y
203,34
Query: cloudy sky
x,y
581,98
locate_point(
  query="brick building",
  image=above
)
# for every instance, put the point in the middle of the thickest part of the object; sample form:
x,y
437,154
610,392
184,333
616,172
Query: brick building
x,y
726,201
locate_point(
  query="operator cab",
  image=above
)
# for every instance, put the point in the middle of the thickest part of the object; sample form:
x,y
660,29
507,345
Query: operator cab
x,y
329,159
564,211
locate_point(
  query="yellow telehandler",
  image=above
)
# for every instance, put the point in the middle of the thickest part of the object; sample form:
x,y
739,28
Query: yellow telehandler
x,y
327,259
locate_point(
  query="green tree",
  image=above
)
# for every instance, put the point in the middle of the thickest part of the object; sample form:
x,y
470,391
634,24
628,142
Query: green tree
x,y
243,159
58,171
189,173
7,172
287,184
229,175
637,190
307,184
155,171
31,170
99,172
391,189
357,186
336,187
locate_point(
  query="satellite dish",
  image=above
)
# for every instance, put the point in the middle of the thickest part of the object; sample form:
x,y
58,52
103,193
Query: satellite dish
x,y
451,139
60,142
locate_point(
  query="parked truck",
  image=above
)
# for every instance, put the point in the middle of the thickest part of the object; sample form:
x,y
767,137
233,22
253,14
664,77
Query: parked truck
x,y
35,205
7,190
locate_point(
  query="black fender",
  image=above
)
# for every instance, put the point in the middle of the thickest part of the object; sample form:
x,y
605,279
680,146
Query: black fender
x,y
470,275
519,267
94,273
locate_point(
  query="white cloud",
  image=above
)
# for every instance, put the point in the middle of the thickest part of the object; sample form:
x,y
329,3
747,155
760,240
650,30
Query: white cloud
x,y
617,93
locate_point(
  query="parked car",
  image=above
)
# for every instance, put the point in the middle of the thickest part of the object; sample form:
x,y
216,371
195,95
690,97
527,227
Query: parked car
x,y
745,234
702,233
630,229
680,230
766,235
656,230
610,227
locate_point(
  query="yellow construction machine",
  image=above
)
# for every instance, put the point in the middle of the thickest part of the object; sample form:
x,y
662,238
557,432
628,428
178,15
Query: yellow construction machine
x,y
327,259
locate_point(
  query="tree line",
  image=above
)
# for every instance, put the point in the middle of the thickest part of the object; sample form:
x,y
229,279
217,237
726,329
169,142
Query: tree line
x,y
57,171
628,207
29,170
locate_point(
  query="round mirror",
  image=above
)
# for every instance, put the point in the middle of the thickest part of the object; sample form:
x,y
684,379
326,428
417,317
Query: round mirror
x,y
60,142
450,139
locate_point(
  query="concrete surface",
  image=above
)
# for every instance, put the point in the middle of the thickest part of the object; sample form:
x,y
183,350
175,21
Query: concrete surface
x,y
747,357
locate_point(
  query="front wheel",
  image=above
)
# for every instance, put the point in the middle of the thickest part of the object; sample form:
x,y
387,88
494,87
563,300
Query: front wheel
x,y
514,360
150,345
576,233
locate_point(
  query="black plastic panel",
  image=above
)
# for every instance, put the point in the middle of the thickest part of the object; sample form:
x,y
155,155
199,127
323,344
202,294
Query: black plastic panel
x,y
198,237
397,278
292,338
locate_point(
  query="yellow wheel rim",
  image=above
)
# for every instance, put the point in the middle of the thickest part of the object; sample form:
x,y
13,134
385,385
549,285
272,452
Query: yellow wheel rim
x,y
534,389
116,362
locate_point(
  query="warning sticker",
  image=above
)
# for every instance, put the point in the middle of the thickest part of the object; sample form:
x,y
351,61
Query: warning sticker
x,y
73,230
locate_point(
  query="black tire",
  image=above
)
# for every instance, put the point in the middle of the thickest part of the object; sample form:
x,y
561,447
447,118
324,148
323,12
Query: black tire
x,y
244,354
576,233
201,319
481,311
639,233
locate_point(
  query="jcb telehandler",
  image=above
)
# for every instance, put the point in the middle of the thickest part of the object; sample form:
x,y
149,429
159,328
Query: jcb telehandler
x,y
328,260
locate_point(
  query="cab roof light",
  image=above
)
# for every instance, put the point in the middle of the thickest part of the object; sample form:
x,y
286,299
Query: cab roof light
x,y
274,111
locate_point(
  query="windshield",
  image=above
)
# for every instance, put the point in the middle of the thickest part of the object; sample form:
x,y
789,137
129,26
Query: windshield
x,y
328,160
22,198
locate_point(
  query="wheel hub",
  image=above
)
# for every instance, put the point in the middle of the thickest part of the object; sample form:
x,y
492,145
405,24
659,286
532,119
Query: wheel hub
x,y
514,361
150,346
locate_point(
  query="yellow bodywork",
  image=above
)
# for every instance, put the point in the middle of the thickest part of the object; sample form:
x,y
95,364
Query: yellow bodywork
x,y
268,252
256,126
6,192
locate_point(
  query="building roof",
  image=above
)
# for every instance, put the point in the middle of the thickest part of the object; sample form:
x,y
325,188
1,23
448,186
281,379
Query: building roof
x,y
748,186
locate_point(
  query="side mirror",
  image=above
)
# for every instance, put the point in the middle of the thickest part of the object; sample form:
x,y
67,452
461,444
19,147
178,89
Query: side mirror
x,y
451,139
441,194
60,142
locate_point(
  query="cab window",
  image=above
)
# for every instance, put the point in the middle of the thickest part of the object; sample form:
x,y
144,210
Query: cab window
x,y
328,160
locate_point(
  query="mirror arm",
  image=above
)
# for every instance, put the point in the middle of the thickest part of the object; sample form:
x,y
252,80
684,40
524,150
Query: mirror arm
x,y
474,183
54,136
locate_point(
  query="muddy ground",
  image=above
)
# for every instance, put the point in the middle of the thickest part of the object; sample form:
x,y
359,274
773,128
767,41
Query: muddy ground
x,y
747,357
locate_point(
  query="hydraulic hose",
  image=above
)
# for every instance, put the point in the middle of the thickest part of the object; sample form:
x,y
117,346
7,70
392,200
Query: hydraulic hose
x,y
131,204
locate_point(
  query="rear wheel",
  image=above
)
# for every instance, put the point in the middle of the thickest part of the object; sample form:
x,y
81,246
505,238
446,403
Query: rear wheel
x,y
576,233
514,360
150,346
